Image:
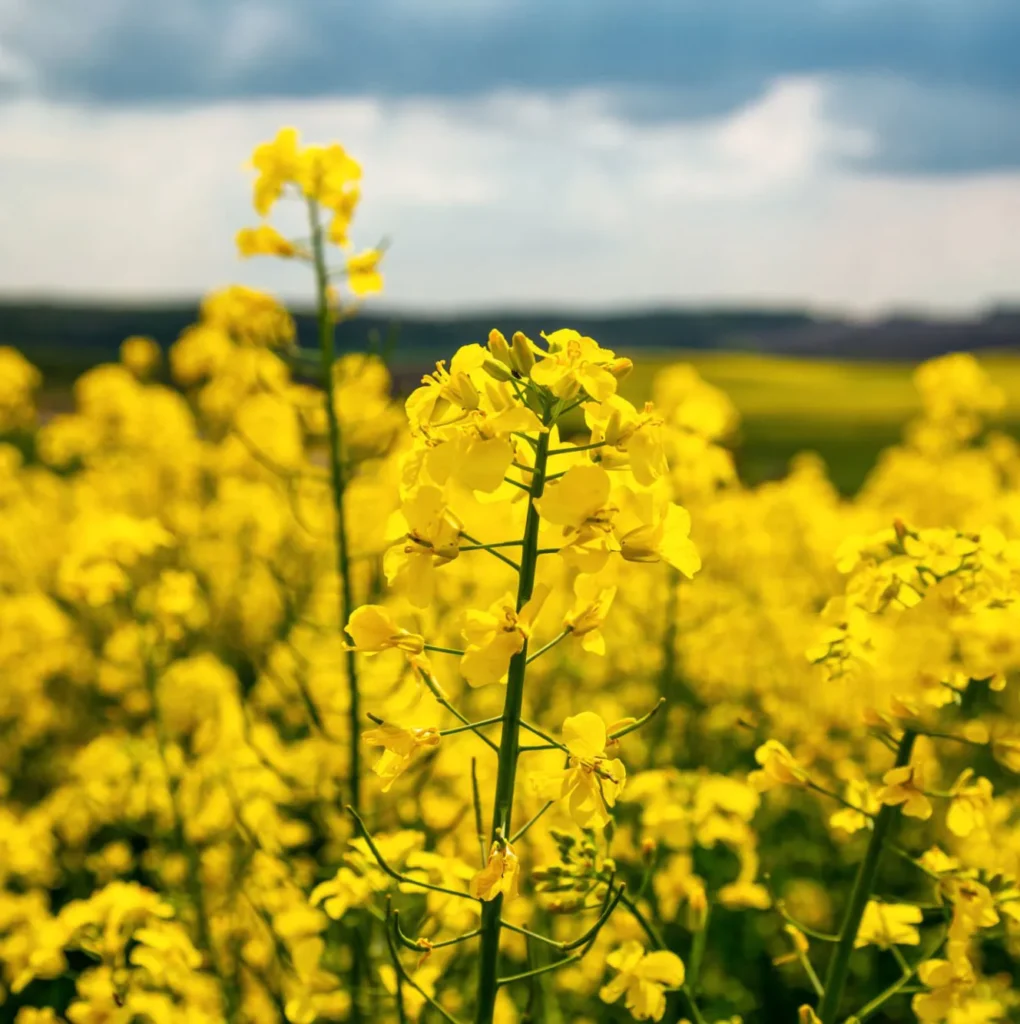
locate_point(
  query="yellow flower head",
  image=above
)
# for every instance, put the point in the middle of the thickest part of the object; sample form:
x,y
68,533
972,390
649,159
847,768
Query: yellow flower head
x,y
575,363
592,780
643,978
401,745
373,630
496,635
264,241
363,275
778,767
429,537
277,164
904,787
500,876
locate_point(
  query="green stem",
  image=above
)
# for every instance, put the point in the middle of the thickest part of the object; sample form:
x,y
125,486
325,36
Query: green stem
x,y
839,964
510,741
193,867
327,352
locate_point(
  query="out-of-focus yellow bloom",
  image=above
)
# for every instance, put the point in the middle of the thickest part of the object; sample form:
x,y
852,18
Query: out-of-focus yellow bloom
x,y
949,982
889,924
141,355
19,380
264,240
363,274
778,768
277,163
859,795
904,788
248,317
345,890
643,979
971,799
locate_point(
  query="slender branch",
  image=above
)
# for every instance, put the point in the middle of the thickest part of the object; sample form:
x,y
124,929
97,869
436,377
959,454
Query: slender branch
x,y
840,800
640,722
544,969
424,945
392,872
476,799
470,726
608,906
692,1006
531,821
952,736
444,650
911,859
535,731
571,449
492,551
403,973
653,935
897,986
549,646
443,700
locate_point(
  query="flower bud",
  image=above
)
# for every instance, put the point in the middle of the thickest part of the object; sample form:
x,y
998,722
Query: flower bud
x,y
620,368
522,358
498,347
648,848
697,909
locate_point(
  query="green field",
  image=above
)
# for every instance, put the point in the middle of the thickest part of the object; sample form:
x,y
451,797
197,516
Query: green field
x,y
847,412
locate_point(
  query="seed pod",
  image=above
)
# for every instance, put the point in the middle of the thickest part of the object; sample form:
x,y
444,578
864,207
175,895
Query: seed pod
x,y
497,370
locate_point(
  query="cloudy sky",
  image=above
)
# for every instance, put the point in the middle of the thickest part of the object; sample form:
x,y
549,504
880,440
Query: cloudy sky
x,y
858,155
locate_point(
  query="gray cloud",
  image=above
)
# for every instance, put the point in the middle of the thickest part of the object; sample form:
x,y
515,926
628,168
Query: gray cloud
x,y
954,62
517,199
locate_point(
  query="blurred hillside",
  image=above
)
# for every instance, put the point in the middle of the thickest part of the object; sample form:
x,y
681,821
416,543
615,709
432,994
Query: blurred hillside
x,y
64,338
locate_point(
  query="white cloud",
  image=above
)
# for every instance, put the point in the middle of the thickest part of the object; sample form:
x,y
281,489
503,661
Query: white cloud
x,y
516,199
